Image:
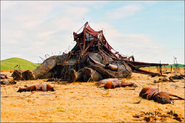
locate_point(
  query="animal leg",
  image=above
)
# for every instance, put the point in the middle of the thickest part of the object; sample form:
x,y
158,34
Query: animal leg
x,y
45,67
123,84
72,76
179,98
17,75
105,73
28,75
90,75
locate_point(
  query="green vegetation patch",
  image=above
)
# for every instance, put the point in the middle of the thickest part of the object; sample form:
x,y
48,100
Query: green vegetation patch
x,y
9,64
167,66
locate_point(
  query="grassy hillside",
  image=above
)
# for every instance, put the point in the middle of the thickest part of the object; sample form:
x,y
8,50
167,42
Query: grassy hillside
x,y
169,66
9,64
176,65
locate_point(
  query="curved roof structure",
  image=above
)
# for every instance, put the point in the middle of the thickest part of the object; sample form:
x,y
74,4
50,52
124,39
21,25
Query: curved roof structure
x,y
89,40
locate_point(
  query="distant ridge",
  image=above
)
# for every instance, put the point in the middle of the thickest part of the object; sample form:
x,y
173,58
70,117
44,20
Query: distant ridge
x,y
175,65
169,66
9,64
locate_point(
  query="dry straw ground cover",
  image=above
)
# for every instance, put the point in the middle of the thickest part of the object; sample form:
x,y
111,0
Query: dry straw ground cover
x,y
84,102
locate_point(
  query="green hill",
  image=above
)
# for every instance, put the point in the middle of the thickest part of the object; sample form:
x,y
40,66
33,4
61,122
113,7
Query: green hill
x,y
9,64
169,66
176,65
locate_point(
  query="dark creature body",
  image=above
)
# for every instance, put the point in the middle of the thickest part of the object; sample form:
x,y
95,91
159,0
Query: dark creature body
x,y
37,87
158,96
91,59
87,70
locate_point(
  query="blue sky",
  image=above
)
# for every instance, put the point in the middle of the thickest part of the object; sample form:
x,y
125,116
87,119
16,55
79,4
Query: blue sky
x,y
152,31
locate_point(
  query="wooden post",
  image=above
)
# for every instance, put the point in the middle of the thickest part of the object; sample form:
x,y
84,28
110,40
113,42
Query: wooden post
x,y
171,68
84,35
84,39
157,68
160,68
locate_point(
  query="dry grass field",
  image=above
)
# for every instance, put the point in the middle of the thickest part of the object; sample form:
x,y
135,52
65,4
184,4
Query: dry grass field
x,y
84,102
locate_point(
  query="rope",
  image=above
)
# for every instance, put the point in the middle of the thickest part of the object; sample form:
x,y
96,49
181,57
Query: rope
x,y
80,28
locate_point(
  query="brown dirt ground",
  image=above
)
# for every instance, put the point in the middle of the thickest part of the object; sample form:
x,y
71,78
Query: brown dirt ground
x,y
84,102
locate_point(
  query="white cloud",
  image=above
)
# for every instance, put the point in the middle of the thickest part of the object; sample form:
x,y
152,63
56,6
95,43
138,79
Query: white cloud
x,y
149,3
33,29
124,11
141,46
6,4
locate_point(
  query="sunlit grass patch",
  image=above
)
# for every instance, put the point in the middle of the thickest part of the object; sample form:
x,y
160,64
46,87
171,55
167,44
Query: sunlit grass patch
x,y
61,109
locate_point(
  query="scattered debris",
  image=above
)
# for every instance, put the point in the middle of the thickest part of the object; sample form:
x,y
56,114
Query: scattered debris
x,y
137,102
8,82
3,76
157,115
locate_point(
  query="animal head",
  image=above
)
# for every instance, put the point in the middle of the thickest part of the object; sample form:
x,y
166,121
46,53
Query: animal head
x,y
163,98
108,85
171,78
50,88
20,90
143,91
134,85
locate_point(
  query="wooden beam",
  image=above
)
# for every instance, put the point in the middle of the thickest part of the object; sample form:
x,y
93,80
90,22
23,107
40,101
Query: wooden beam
x,y
79,44
83,41
84,35
89,44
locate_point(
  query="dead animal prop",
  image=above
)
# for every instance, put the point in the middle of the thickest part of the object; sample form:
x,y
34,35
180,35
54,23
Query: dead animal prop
x,y
3,76
103,81
112,83
165,79
182,76
8,82
37,87
91,59
158,96
170,79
